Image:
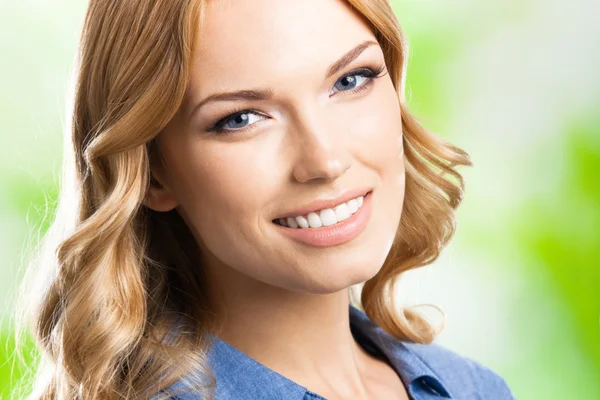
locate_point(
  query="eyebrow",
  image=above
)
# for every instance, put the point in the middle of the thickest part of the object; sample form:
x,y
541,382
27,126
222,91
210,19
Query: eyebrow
x,y
266,93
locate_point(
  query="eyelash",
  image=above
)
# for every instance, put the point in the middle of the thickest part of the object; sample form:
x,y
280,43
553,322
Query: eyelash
x,y
366,72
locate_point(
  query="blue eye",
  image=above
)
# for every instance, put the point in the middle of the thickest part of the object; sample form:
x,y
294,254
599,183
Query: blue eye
x,y
240,120
235,120
349,82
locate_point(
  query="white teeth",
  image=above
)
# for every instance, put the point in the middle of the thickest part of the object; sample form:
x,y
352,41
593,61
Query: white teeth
x,y
342,212
353,206
328,217
314,221
325,217
302,222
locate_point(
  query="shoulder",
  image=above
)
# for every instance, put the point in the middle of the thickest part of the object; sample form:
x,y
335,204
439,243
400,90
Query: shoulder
x,y
464,376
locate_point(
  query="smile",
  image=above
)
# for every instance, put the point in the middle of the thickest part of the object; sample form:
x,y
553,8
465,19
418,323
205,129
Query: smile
x,y
324,217
324,229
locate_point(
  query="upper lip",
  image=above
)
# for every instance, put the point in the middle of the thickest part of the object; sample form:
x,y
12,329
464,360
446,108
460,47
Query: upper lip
x,y
322,203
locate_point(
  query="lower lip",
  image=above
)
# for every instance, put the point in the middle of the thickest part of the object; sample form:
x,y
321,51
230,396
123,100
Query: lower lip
x,y
333,235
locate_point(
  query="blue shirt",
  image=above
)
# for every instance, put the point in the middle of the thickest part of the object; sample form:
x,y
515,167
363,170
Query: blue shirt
x,y
428,372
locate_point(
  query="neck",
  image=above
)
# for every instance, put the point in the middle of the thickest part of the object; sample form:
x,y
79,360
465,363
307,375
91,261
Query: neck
x,y
304,337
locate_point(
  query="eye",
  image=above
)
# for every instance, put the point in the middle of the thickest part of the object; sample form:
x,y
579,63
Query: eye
x,y
235,122
357,80
241,120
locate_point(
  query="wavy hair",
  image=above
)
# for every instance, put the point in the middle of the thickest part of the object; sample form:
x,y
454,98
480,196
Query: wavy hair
x,y
113,297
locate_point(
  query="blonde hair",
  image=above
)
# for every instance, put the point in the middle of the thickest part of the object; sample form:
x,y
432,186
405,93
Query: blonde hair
x,y
114,298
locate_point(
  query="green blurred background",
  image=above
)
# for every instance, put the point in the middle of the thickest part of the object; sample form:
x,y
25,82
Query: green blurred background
x,y
513,82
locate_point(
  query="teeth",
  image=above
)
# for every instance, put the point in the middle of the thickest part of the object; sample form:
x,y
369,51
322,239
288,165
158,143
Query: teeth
x,y
314,221
291,222
302,222
342,212
353,205
326,217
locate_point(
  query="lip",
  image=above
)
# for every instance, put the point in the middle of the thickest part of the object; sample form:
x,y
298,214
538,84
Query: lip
x,y
328,236
321,204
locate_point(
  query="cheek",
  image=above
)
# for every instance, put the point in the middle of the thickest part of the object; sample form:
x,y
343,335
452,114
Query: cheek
x,y
224,180
378,132
380,147
223,189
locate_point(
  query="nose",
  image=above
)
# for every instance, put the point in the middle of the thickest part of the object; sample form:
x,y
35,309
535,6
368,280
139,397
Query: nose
x,y
320,152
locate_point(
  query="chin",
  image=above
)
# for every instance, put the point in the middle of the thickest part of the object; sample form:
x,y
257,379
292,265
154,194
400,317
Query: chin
x,y
333,284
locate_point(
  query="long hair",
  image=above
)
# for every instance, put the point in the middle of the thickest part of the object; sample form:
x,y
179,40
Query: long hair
x,y
114,297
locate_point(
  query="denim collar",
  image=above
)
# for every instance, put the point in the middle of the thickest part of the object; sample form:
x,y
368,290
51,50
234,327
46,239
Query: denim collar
x,y
415,373
239,376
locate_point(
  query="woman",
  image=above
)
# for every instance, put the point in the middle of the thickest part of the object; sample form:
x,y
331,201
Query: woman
x,y
239,167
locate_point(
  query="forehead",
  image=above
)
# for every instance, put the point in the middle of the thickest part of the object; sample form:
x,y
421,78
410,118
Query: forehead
x,y
248,43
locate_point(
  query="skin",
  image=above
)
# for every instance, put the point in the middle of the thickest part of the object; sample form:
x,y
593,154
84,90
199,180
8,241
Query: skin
x,y
282,302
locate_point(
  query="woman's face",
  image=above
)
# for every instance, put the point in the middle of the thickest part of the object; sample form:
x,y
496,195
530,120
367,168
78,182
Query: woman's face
x,y
310,136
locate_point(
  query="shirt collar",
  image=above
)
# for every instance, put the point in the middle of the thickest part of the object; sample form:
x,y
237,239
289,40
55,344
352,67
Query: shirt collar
x,y
413,370
241,377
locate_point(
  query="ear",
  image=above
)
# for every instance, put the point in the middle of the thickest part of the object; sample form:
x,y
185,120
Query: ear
x,y
159,196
